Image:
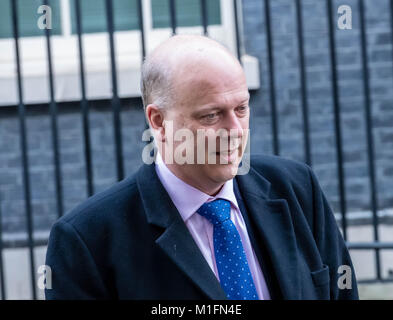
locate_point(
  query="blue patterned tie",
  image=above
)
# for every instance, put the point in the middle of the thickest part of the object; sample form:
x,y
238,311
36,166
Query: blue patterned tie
x,y
232,266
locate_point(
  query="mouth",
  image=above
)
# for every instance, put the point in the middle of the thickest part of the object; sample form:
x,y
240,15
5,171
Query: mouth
x,y
226,151
227,156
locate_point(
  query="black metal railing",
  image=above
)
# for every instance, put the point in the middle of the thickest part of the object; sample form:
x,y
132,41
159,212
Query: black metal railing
x,y
23,146
116,106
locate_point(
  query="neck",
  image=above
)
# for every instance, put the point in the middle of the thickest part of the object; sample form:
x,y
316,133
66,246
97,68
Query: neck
x,y
205,185
209,187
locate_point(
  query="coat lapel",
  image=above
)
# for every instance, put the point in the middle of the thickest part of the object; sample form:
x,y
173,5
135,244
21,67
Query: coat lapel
x,y
175,240
273,222
271,216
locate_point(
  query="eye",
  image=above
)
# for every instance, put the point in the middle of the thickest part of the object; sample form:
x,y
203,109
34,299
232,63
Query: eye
x,y
242,109
210,117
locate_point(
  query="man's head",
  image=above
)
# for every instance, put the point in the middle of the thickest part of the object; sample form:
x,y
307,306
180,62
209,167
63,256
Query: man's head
x,y
195,83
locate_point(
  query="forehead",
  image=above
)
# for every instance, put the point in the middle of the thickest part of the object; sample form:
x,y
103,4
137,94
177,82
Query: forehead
x,y
216,80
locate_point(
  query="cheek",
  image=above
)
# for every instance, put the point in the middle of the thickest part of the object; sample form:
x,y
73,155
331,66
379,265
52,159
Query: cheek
x,y
245,121
178,124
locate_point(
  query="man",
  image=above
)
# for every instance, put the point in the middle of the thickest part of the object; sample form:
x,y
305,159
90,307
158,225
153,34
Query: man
x,y
194,229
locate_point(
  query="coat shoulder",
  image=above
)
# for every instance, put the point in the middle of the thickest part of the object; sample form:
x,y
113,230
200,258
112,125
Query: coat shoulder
x,y
289,179
275,168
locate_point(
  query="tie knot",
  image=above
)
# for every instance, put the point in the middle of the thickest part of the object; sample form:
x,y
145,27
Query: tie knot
x,y
216,211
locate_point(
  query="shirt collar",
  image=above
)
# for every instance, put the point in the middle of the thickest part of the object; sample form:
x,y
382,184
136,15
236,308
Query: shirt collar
x,y
185,197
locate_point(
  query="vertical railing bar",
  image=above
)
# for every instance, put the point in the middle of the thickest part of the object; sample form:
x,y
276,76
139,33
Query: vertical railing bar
x,y
391,24
23,145
84,103
303,82
172,15
2,284
369,133
337,119
272,87
204,17
237,32
116,104
143,43
54,126
141,28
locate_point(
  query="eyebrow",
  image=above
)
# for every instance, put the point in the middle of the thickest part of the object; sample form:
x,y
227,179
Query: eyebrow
x,y
214,107
217,106
203,110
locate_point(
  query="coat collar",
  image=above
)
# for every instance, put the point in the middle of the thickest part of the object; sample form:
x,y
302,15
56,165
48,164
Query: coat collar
x,y
271,216
273,221
175,240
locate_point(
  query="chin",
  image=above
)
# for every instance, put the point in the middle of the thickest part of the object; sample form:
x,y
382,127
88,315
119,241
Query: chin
x,y
223,172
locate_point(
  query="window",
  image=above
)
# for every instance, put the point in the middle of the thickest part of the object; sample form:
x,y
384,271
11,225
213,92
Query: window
x,y
27,18
94,15
156,18
188,14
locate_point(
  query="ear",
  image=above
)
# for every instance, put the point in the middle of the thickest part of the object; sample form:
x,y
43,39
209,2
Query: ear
x,y
155,117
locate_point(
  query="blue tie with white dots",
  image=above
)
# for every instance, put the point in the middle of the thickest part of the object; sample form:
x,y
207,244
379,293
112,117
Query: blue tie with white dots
x,y
231,260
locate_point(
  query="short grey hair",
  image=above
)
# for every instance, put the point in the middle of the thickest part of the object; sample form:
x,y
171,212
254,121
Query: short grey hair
x,y
156,83
158,68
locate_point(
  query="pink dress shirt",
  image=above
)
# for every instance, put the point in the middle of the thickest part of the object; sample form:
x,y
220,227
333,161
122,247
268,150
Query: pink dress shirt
x,y
188,200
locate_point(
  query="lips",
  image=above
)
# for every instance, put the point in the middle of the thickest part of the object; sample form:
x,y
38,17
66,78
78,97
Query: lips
x,y
227,151
227,156
234,145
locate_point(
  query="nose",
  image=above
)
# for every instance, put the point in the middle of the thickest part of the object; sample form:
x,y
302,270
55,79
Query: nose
x,y
233,124
232,131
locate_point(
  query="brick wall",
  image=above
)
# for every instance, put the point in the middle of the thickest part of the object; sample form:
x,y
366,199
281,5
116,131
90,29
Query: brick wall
x,y
72,159
289,117
318,74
